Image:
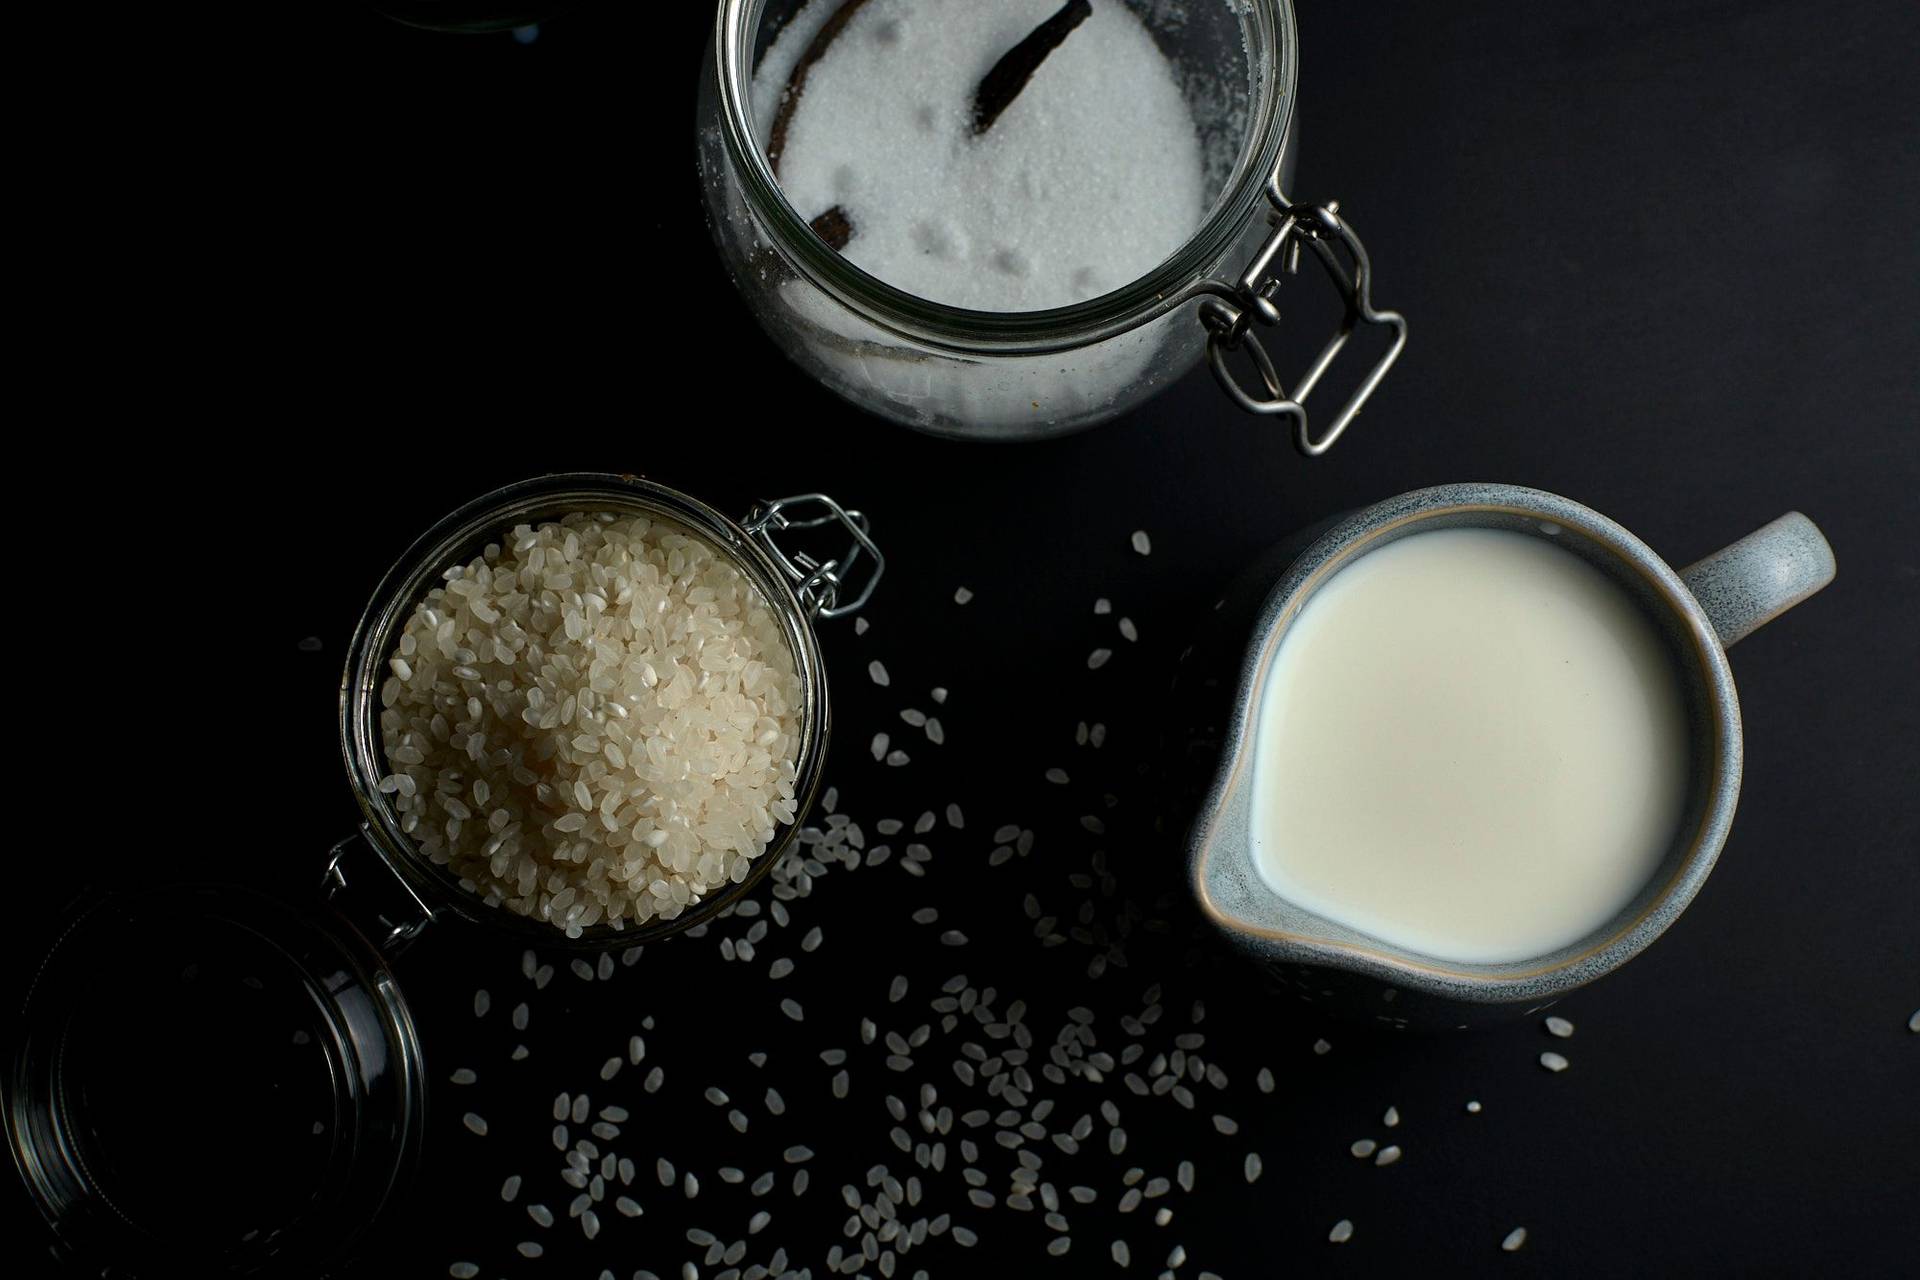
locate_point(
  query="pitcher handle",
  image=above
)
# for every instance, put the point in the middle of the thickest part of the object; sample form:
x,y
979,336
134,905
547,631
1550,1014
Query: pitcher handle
x,y
1751,582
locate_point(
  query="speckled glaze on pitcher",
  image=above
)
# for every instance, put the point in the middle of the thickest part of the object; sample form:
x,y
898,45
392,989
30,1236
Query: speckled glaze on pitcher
x,y
1698,612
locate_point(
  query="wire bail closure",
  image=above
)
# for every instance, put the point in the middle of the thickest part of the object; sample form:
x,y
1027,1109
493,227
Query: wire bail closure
x,y
817,583
1230,311
391,916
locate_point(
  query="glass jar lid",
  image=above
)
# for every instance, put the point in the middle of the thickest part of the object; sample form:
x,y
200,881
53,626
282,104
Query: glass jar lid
x,y
208,1081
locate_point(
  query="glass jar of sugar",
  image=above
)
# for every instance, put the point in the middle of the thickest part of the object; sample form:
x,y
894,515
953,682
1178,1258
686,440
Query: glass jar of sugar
x,y
1016,220
288,1045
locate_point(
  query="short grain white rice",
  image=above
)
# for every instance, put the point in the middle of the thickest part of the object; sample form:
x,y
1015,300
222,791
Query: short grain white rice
x,y
626,702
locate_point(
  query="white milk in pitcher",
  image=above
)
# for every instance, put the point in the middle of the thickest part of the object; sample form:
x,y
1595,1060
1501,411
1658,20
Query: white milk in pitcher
x,y
1471,744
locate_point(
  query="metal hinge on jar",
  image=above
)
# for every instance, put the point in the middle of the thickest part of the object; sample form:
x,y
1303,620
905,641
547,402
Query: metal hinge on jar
x,y
819,584
1231,310
370,891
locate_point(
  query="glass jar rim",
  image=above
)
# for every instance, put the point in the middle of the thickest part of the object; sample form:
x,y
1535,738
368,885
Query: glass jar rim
x,y
458,535
325,979
1177,280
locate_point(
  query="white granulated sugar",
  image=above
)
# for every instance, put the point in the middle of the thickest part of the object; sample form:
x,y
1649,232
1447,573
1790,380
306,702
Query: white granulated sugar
x,y
1088,180
962,596
596,721
1142,543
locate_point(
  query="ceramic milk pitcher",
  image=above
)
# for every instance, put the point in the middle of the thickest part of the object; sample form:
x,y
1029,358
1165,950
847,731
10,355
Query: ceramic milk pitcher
x,y
1696,613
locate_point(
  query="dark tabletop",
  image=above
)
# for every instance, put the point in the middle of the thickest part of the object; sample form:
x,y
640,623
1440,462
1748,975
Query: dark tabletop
x,y
1659,257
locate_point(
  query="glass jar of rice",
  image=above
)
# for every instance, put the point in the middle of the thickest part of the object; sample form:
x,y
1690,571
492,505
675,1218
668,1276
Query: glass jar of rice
x,y
591,708
607,703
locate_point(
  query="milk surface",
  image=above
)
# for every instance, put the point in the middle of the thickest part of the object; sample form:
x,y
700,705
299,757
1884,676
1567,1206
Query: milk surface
x,y
1471,744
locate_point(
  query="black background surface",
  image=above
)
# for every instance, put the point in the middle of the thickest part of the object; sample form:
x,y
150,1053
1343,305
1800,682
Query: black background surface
x,y
1659,257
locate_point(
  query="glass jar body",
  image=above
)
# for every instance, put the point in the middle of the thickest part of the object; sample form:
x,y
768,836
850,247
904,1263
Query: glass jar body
x,y
1003,376
456,539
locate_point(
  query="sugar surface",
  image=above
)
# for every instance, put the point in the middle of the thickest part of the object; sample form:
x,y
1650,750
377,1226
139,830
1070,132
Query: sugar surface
x,y
1090,179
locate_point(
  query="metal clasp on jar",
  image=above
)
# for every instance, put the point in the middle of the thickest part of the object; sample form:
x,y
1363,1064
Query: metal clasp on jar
x,y
818,583
1230,311
367,887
